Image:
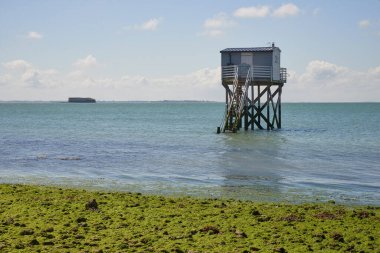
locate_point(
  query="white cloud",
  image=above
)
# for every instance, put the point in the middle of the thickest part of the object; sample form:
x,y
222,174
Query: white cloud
x,y
364,23
21,73
217,25
149,25
321,81
34,35
203,84
201,78
31,78
18,65
285,10
327,82
5,79
31,83
322,70
212,33
372,26
88,62
220,20
252,12
375,71
133,81
262,11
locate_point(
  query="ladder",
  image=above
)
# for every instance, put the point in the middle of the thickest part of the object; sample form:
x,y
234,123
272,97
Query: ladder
x,y
236,102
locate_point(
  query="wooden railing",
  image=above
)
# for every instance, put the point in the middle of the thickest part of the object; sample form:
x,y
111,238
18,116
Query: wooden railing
x,y
256,73
262,72
229,71
283,75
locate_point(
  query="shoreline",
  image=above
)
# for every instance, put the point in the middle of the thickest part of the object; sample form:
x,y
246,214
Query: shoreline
x,y
258,195
53,218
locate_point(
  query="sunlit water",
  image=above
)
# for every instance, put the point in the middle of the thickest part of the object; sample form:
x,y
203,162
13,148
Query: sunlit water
x,y
323,152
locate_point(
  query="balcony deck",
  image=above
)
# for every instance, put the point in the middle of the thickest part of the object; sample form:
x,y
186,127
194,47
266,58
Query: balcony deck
x,y
258,74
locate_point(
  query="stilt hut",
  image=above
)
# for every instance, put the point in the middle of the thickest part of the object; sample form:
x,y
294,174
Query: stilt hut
x,y
253,80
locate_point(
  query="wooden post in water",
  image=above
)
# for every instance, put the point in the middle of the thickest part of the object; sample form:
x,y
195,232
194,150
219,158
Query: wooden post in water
x,y
252,107
258,107
246,115
267,103
279,107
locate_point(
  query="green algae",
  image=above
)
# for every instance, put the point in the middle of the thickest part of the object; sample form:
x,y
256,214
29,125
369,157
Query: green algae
x,y
52,219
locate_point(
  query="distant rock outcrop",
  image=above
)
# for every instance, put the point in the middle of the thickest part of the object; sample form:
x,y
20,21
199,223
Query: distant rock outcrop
x,y
81,100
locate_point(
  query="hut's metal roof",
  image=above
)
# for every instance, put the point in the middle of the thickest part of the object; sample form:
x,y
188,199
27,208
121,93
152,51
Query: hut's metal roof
x,y
247,49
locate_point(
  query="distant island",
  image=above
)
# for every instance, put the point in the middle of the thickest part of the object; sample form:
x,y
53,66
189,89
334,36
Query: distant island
x,y
81,100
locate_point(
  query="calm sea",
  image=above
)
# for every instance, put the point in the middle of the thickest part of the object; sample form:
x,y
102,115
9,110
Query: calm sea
x,y
323,152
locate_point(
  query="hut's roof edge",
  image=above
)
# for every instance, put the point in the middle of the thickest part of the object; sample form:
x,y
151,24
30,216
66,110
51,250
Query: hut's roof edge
x,y
248,49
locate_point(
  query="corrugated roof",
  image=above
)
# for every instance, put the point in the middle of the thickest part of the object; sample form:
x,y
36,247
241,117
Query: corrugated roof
x,y
247,49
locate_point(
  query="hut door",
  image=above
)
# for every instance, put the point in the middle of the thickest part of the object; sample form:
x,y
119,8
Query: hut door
x,y
247,58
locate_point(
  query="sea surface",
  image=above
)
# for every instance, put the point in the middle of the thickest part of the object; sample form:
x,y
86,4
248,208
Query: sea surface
x,y
324,151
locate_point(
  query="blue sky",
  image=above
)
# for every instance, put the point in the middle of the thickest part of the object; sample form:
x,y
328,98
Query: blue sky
x,y
155,50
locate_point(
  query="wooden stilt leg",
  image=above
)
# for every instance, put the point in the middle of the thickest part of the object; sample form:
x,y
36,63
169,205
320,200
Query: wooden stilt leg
x,y
268,105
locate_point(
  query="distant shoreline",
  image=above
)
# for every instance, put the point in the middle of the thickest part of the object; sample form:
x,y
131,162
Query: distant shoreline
x,y
171,101
110,101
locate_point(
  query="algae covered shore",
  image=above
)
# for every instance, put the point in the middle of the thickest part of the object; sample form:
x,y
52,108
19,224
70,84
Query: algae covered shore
x,y
52,219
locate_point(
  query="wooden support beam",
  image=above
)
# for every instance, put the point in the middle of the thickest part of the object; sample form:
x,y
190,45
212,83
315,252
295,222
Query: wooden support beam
x,y
259,115
274,119
264,105
274,109
260,94
251,106
275,93
258,125
279,106
258,110
261,106
258,102
246,116
268,122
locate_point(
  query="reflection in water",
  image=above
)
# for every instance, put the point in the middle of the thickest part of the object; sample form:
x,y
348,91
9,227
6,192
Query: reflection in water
x,y
251,166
